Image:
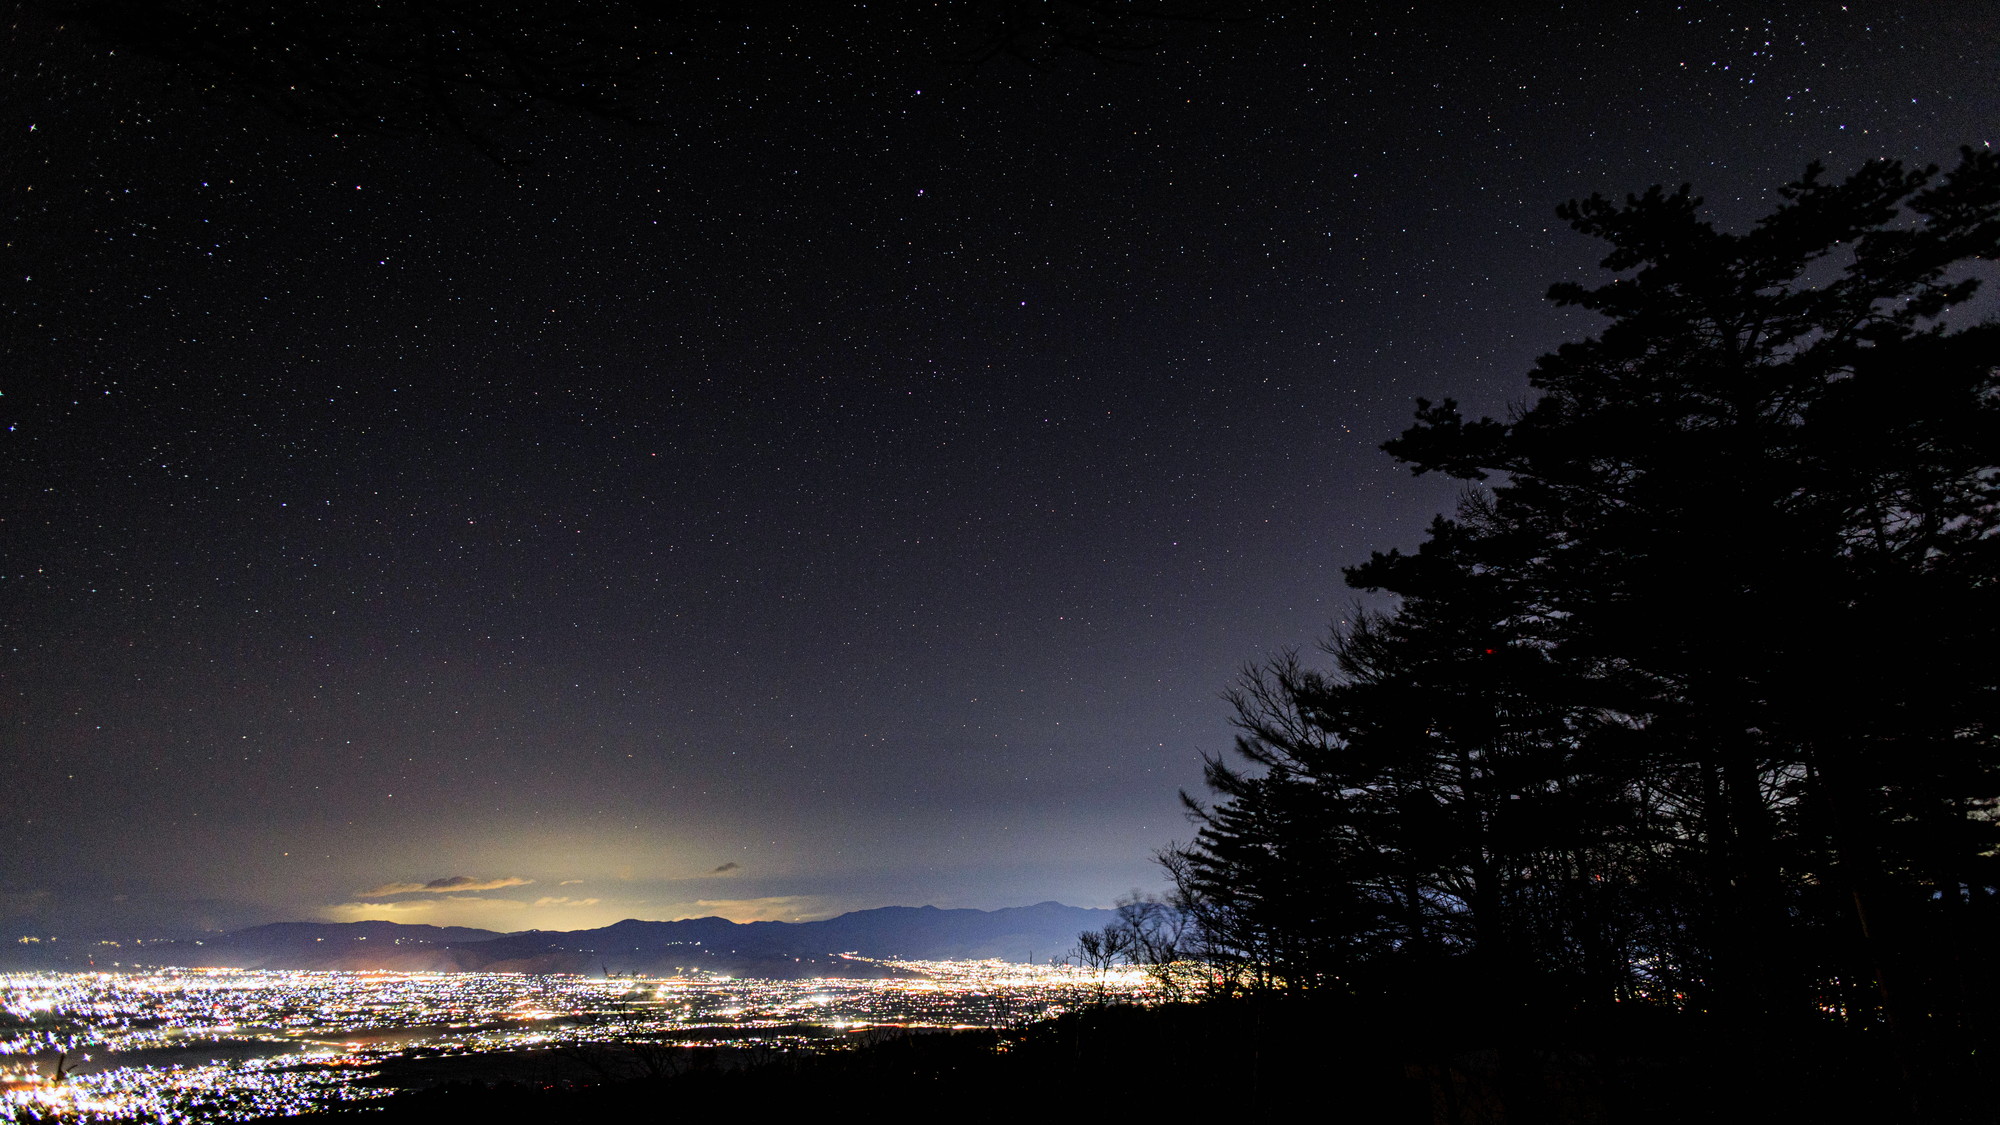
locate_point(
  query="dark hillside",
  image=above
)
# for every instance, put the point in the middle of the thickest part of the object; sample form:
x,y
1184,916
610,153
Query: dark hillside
x,y
1381,1063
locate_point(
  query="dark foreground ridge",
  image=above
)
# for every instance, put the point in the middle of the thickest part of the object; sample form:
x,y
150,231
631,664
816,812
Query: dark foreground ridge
x,y
1381,1063
772,950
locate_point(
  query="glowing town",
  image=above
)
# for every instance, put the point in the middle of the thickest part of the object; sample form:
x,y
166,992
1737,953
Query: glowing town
x,y
223,1044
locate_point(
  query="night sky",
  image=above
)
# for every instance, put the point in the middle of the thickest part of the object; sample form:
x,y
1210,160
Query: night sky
x,y
854,488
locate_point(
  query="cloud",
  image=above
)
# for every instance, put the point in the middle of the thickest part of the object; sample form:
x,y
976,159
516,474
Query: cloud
x,y
490,912
503,914
392,911
777,908
726,868
442,886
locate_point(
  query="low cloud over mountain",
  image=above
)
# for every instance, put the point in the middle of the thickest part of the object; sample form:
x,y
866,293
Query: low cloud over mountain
x,y
445,885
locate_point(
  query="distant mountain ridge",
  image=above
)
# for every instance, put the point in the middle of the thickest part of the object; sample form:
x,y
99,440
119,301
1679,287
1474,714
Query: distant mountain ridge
x,y
761,949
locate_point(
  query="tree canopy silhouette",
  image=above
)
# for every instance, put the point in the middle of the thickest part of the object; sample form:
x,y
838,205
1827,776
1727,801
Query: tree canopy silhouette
x,y
1693,700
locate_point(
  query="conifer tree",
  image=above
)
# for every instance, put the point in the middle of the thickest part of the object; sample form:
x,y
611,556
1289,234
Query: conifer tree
x,y
1762,505
1696,699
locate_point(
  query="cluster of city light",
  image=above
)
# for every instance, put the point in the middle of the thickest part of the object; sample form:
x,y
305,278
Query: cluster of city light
x,y
219,1091
220,1044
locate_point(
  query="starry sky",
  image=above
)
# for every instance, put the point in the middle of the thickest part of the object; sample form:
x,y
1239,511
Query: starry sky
x,y
853,486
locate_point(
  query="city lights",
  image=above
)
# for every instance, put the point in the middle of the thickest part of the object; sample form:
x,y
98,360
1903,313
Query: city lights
x,y
222,1044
